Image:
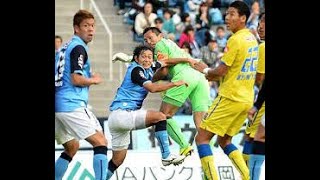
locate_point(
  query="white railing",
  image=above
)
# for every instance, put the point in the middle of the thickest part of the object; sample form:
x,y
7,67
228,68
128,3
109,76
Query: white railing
x,y
106,27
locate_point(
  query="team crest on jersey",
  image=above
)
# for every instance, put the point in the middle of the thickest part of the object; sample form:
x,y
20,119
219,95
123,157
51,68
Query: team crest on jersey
x,y
142,75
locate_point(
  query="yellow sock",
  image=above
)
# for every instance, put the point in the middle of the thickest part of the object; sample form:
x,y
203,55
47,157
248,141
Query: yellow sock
x,y
238,161
207,164
246,158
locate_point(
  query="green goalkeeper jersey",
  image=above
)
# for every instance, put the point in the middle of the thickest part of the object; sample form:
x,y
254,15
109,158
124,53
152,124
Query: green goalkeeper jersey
x,y
172,50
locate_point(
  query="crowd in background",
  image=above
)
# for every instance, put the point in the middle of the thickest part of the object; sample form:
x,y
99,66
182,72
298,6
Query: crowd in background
x,y
195,25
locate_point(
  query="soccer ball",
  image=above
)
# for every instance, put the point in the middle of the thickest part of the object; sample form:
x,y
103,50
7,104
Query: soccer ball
x,y
121,57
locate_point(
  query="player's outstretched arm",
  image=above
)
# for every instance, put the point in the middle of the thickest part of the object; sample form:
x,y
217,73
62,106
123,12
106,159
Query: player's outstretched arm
x,y
166,61
158,87
212,74
160,74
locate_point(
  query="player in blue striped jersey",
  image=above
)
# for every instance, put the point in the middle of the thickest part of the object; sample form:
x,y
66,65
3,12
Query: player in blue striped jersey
x,y
73,120
127,114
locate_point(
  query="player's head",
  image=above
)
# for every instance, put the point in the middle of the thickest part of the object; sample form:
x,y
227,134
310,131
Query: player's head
x,y
57,42
152,35
158,22
143,55
237,16
84,25
261,26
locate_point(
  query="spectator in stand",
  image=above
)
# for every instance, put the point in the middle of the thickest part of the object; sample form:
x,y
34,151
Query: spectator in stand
x,y
188,36
203,23
168,25
186,47
159,24
185,21
214,12
159,5
143,20
209,53
221,38
253,19
203,19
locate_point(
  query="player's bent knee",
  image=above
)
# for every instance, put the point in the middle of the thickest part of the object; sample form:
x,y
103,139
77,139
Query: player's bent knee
x,y
98,139
72,148
223,142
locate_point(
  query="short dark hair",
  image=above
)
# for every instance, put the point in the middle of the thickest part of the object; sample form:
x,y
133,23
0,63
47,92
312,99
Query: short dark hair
x,y
155,30
184,16
261,15
220,27
158,20
212,40
58,37
242,7
188,28
141,48
80,16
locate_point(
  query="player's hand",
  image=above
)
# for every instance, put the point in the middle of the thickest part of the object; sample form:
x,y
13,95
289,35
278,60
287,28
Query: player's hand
x,y
192,62
209,78
251,113
96,78
162,58
180,83
200,66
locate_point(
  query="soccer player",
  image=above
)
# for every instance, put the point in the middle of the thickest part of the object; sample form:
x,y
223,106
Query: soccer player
x,y
228,111
252,126
73,120
257,113
127,115
178,69
257,155
57,43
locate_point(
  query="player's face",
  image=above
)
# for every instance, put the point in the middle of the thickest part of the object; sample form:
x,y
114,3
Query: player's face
x,y
261,28
86,30
233,21
58,43
151,39
145,59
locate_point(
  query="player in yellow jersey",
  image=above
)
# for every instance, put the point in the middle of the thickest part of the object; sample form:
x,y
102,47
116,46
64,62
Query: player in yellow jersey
x,y
228,111
257,113
252,126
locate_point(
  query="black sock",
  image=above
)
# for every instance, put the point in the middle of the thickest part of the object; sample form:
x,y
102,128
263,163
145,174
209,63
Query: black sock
x,y
65,156
161,126
111,166
258,148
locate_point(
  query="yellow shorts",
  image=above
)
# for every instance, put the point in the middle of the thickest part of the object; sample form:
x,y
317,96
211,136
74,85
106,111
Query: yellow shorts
x,y
252,129
225,116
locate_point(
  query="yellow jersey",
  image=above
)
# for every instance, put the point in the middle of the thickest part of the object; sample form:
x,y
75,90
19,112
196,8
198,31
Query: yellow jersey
x,y
261,61
241,57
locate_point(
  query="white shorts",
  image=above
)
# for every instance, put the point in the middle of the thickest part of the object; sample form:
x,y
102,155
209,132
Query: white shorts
x,y
78,124
263,120
121,122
